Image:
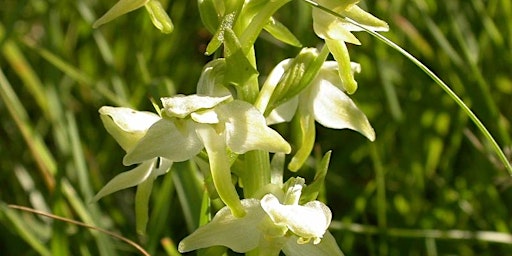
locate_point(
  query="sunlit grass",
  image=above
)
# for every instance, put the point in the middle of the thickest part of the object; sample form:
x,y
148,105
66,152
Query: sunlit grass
x,y
430,184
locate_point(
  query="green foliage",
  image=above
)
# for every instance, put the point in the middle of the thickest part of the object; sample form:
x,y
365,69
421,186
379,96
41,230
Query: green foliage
x,y
429,184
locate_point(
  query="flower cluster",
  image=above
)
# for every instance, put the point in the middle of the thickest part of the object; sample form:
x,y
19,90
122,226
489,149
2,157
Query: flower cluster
x,y
228,120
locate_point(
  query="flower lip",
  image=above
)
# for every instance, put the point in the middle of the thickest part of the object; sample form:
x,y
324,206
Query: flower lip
x,y
309,221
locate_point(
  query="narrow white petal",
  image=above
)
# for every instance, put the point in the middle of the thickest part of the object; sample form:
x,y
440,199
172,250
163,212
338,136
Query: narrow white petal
x,y
127,179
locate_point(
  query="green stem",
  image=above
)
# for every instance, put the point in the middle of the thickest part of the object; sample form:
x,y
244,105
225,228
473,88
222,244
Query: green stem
x,y
257,172
434,77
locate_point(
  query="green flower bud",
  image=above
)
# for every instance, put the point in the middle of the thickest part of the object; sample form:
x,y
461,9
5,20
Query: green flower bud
x,y
159,17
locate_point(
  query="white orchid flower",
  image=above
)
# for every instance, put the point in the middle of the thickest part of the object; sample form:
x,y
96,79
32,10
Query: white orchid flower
x,y
270,226
336,32
128,126
324,101
217,124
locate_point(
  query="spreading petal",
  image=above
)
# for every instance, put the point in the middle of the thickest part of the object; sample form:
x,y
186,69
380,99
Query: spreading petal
x,y
127,179
334,109
165,139
239,234
328,26
247,130
126,125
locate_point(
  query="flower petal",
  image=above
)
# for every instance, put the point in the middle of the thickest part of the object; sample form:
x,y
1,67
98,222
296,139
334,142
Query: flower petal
x,y
328,26
247,130
164,139
363,18
334,109
340,53
327,247
317,214
127,179
126,125
181,106
238,234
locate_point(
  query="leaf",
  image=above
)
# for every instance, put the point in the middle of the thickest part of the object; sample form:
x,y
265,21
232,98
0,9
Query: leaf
x,y
281,32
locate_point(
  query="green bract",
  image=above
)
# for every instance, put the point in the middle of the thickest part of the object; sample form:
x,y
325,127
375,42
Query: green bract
x,y
337,31
270,225
154,8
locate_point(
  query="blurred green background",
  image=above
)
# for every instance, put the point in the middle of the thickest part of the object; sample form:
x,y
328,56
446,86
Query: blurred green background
x,y
429,184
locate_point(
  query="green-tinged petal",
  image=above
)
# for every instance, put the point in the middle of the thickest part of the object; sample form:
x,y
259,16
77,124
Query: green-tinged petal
x,y
337,4
238,234
281,32
328,26
283,113
126,125
340,53
144,192
165,139
181,106
349,9
142,205
247,130
304,127
127,179
363,18
159,17
330,72
334,109
120,8
327,247
215,145
309,221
